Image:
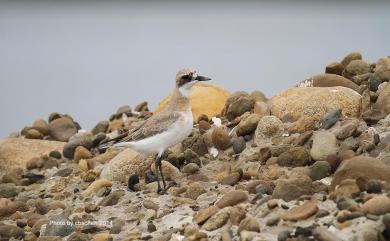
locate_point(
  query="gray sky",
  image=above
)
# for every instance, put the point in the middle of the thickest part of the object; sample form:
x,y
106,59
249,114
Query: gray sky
x,y
87,59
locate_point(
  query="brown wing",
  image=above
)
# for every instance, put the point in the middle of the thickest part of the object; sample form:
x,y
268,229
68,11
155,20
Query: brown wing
x,y
152,126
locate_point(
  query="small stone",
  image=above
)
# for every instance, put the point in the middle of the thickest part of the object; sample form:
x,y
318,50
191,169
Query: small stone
x,y
132,181
334,68
323,234
347,129
151,227
330,118
232,178
268,126
248,124
117,226
272,221
190,168
100,127
292,188
33,134
351,56
194,190
284,235
321,140
64,172
377,205
112,198
370,234
347,204
237,104
236,215
96,185
386,220
62,129
204,125
89,176
59,186
220,138
149,204
55,154
59,225
204,214
123,110
249,224
294,157
232,198
7,232
373,186
239,144
7,190
319,170
306,210
217,220
356,67
80,139
90,207
81,153
170,172
41,206
261,108
347,188
41,126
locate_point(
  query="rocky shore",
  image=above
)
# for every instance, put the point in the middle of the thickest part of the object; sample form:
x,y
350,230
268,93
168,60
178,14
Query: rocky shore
x,y
310,163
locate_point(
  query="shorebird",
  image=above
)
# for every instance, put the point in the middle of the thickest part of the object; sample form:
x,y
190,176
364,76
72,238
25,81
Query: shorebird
x,y
166,128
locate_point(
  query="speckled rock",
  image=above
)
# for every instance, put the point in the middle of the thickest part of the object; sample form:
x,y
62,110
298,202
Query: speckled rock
x,y
383,101
194,190
249,224
217,220
267,127
170,171
204,214
306,106
261,108
125,164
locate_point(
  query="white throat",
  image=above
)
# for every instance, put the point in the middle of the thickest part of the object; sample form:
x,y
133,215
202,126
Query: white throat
x,y
185,90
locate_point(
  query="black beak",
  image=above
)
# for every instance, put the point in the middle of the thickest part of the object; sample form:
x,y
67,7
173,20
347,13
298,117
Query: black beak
x,y
202,78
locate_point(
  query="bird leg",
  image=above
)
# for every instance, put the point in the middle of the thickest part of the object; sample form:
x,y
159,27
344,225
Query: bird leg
x,y
159,168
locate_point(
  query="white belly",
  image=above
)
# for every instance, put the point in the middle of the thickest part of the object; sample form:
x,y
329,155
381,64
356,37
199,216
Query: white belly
x,y
159,143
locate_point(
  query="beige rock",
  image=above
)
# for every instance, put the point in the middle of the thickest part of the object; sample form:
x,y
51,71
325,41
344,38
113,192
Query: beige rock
x,y
249,224
306,210
383,101
126,163
356,67
232,198
205,98
362,169
306,106
96,185
293,187
382,69
62,129
261,108
60,185
101,237
347,188
248,124
82,153
17,151
268,126
149,204
217,220
324,145
377,205
204,214
351,56
83,164
41,126
194,190
332,80
170,171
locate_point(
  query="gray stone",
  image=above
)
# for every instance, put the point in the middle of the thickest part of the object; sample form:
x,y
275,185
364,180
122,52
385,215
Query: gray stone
x,y
330,118
319,170
59,225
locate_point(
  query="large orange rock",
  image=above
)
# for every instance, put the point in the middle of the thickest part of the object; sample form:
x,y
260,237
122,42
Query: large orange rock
x,y
307,105
17,151
205,98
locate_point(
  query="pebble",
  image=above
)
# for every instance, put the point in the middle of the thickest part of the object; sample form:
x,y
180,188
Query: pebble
x,y
272,221
284,235
294,157
33,134
63,128
261,108
7,190
350,57
96,185
292,188
190,168
149,204
248,124
377,205
373,186
249,224
356,67
100,127
170,171
319,170
204,214
347,188
194,190
330,118
80,139
334,68
81,153
239,145
7,232
306,210
268,126
221,139
237,214
320,140
232,178
112,199
370,234
59,225
323,234
237,104
217,220
232,198
42,126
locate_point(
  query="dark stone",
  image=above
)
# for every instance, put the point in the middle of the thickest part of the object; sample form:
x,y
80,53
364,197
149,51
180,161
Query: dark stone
x,y
92,229
77,140
150,177
305,231
373,82
239,144
55,154
319,170
330,118
33,177
386,220
133,179
7,190
98,138
117,226
64,172
373,186
151,227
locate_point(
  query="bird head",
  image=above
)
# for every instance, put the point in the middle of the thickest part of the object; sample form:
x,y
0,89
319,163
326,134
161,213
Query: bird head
x,y
186,78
